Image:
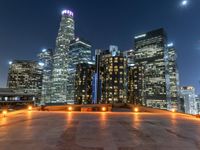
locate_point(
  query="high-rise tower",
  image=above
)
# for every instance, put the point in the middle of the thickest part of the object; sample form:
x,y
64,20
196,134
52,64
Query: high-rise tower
x,y
151,54
173,77
156,78
60,65
79,52
46,60
113,67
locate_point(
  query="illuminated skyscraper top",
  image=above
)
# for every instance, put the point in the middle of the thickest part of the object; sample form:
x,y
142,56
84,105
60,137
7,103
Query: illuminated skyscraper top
x,y
60,65
67,12
66,31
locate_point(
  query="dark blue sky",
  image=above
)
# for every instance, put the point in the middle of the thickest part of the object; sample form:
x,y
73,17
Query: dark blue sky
x,y
27,26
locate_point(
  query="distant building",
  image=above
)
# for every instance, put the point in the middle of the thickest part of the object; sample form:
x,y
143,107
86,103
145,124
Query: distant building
x,y
129,54
189,100
174,90
135,85
60,59
83,83
113,76
97,84
10,96
79,52
151,52
198,104
46,60
25,76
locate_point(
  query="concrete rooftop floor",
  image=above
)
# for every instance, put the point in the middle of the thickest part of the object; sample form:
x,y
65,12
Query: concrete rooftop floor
x,y
98,131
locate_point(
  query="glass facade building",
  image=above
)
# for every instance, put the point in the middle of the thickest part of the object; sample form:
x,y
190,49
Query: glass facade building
x,y
159,69
135,85
46,60
83,83
173,77
60,59
79,52
113,76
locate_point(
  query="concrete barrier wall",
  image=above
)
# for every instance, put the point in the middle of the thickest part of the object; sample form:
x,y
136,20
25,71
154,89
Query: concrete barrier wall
x,y
93,107
147,109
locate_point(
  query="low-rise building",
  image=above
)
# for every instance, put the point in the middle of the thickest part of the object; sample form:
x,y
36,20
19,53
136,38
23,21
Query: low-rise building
x,y
189,100
8,95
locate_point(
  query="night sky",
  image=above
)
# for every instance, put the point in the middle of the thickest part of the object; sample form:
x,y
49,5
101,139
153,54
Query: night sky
x,y
28,26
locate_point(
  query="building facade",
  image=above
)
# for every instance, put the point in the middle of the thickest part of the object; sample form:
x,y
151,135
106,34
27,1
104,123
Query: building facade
x,y
135,85
79,52
173,77
46,61
97,84
151,52
113,76
189,100
83,83
25,76
60,59
129,54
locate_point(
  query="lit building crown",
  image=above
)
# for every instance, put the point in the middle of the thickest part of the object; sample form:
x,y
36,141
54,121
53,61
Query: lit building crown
x,y
67,12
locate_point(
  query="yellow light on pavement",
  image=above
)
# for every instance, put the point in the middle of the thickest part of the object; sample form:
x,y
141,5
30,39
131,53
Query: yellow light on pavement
x,y
29,108
173,110
4,113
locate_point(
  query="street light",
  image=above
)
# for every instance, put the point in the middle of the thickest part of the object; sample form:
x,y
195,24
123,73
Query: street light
x,y
103,108
136,109
70,108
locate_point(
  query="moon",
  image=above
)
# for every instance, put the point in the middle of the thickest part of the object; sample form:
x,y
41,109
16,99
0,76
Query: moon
x,y
184,3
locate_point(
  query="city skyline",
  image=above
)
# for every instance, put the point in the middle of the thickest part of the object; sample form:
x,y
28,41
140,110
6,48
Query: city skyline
x,y
187,60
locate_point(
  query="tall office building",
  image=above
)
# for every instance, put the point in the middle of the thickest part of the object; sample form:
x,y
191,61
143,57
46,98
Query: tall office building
x,y
46,61
25,76
113,75
96,82
151,52
61,61
173,76
135,84
79,52
83,83
133,75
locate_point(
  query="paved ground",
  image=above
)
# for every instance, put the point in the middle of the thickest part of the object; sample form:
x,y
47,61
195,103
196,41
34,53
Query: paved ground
x,y
99,131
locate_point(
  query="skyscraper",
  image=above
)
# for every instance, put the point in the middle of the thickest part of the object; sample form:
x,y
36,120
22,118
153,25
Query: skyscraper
x,y
79,52
151,53
83,83
113,67
135,87
61,61
46,60
173,76
25,76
